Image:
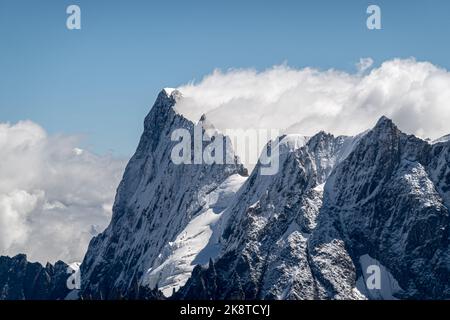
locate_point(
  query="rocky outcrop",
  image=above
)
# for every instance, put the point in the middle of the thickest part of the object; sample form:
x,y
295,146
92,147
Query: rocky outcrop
x,y
23,280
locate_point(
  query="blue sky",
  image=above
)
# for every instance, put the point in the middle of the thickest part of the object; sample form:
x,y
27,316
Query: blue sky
x,y
101,81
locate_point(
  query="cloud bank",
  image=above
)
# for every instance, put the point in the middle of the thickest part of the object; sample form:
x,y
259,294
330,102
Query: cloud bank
x,y
53,196
416,95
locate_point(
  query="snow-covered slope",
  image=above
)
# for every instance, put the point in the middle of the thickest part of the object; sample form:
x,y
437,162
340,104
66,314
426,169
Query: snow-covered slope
x,y
163,216
195,244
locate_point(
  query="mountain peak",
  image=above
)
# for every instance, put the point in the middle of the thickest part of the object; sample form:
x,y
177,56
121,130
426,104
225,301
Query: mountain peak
x,y
172,93
168,97
168,91
384,122
385,127
20,256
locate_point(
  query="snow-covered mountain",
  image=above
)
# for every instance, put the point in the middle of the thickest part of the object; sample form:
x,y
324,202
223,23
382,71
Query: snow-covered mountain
x,y
164,214
385,204
337,206
266,255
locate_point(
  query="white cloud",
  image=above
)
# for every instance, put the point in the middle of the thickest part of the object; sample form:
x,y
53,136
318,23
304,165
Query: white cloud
x,y
52,193
416,95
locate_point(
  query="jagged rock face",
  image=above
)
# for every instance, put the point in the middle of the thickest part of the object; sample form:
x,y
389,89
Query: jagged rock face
x,y
266,253
388,199
155,202
23,280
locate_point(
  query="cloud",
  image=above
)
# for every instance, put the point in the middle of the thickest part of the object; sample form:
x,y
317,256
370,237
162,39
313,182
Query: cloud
x,y
53,195
414,94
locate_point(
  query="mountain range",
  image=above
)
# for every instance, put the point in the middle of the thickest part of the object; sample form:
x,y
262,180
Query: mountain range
x,y
338,208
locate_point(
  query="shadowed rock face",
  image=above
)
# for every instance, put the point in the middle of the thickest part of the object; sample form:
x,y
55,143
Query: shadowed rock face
x,y
23,280
389,199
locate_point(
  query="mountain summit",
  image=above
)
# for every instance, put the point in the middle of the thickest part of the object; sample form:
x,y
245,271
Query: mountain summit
x,y
163,216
